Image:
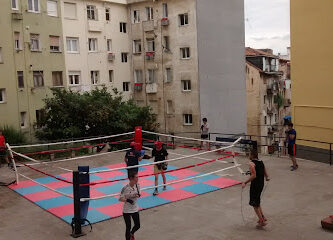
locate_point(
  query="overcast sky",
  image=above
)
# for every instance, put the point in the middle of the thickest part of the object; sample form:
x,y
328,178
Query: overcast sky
x,y
267,24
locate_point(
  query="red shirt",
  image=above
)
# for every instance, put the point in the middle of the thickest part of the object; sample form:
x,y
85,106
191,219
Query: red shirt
x,y
2,141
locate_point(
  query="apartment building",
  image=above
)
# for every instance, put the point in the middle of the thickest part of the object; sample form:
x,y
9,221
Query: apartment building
x,y
268,95
97,53
187,63
311,55
184,58
32,60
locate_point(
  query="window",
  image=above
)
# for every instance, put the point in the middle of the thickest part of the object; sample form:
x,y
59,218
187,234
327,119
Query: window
x,y
1,59
94,76
70,10
265,120
183,19
185,53
186,85
23,116
169,109
150,13
72,45
168,75
39,118
91,12
264,99
34,42
137,46
166,43
151,45
54,44
74,78
33,5
151,76
92,42
52,8
165,10
252,81
20,79
15,5
57,79
2,95
188,119
138,76
124,57
17,41
107,14
275,117
109,45
123,27
38,78
136,16
110,75
126,86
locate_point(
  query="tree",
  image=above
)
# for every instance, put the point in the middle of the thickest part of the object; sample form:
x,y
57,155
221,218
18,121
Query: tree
x,y
71,114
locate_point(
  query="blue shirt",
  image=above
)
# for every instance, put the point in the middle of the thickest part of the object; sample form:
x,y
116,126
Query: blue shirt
x,y
291,141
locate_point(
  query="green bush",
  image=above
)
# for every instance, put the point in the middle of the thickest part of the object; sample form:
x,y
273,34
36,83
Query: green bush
x,y
13,136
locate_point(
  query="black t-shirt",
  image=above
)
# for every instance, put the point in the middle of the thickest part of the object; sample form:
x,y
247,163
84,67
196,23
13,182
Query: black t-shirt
x,y
159,155
132,157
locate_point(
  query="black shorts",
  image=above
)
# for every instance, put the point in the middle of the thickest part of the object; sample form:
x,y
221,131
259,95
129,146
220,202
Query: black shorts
x,y
255,194
292,149
204,136
132,171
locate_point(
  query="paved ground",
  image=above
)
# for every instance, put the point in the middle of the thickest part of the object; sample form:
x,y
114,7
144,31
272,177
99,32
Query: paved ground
x,y
294,203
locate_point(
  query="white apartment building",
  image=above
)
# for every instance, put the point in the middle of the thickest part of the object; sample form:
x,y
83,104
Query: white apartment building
x,y
183,58
96,40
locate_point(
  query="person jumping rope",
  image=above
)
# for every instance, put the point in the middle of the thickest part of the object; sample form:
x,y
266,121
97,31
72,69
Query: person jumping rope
x,y
258,173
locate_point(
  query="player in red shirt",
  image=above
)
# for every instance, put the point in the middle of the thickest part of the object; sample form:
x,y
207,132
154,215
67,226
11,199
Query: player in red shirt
x,y
3,149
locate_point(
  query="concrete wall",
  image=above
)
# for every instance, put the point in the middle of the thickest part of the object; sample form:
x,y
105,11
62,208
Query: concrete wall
x,y
312,59
221,51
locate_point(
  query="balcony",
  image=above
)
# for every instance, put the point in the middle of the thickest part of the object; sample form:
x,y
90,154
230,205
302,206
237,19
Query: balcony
x,y
17,16
165,22
287,102
148,26
110,57
150,55
138,87
95,26
151,88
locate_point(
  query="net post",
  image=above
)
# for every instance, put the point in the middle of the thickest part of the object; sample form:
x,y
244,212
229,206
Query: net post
x,y
138,136
13,162
77,229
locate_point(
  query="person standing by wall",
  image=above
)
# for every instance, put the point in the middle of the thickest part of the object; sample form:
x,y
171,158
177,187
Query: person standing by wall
x,y
3,150
204,134
291,136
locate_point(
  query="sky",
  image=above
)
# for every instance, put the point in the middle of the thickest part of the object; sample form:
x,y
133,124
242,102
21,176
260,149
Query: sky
x,y
267,24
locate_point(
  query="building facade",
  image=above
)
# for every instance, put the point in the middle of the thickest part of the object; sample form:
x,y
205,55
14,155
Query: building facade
x,y
311,56
164,54
32,60
268,95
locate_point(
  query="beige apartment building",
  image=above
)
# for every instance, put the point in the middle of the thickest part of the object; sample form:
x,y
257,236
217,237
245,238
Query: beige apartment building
x,y
182,58
268,95
31,60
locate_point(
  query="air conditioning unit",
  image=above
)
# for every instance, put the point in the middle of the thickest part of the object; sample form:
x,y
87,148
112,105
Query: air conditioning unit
x,y
17,16
110,57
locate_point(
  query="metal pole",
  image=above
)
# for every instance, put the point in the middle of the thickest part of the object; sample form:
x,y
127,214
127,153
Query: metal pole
x,y
13,162
77,231
330,153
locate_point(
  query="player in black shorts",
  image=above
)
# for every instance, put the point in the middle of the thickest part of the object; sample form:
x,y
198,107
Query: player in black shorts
x,y
257,178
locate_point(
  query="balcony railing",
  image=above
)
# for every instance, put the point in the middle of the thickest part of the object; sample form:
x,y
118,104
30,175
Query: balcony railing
x,y
150,55
151,88
138,87
165,22
110,57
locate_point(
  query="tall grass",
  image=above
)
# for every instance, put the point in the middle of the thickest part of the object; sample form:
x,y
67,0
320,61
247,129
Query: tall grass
x,y
13,136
